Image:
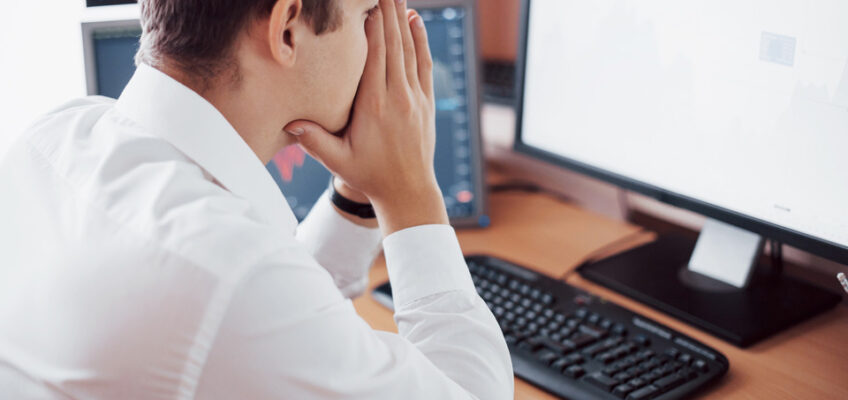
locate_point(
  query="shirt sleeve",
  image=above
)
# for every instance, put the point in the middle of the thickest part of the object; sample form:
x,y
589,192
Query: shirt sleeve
x,y
289,333
346,250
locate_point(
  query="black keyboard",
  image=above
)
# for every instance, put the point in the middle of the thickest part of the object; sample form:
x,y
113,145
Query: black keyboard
x,y
576,345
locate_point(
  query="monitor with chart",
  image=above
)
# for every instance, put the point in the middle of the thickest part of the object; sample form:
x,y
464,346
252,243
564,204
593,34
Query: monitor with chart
x,y
110,46
738,112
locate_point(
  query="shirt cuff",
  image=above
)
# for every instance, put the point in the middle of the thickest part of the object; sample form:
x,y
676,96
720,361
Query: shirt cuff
x,y
346,250
425,260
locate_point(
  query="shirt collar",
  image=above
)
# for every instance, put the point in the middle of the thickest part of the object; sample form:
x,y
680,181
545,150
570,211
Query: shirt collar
x,y
182,117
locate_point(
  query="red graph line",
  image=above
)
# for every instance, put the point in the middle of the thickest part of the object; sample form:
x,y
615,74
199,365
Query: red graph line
x,y
288,159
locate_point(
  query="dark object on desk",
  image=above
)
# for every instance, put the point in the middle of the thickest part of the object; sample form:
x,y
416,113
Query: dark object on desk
x,y
499,82
576,345
740,316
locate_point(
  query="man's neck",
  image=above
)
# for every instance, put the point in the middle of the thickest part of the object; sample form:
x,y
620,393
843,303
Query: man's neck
x,y
257,120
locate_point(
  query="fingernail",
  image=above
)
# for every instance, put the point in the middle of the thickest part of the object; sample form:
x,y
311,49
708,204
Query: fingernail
x,y
418,21
296,131
400,1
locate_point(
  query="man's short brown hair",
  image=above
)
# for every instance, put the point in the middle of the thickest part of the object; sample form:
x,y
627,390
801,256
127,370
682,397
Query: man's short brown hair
x,y
198,35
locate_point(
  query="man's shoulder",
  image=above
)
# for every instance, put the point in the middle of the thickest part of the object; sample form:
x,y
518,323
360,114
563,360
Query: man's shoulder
x,y
142,182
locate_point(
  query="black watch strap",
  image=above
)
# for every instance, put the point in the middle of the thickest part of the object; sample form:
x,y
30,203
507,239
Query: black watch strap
x,y
361,210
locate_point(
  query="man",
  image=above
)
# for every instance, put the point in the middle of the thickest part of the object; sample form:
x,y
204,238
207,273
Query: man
x,y
146,253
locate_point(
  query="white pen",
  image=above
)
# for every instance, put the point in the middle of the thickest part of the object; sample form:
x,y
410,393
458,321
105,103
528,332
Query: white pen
x,y
843,280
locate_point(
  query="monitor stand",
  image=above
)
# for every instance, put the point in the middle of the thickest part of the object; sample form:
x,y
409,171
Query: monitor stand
x,y
715,285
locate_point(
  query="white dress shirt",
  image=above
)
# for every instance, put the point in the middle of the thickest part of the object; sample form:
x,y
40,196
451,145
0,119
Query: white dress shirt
x,y
145,252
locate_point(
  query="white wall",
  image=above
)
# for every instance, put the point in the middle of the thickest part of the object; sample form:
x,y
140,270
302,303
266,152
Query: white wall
x,y
41,63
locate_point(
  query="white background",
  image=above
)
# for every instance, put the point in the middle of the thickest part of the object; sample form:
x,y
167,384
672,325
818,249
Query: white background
x,y
42,67
674,94
41,60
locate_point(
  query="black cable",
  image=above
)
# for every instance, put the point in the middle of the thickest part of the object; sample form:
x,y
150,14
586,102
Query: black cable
x,y
776,255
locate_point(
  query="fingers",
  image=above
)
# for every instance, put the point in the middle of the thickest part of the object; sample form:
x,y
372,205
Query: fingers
x,y
329,149
395,73
408,46
424,59
375,65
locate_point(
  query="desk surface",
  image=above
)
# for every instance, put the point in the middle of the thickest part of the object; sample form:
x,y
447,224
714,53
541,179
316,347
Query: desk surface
x,y
809,361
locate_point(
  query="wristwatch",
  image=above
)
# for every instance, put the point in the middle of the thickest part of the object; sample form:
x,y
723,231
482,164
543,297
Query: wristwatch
x,y
361,210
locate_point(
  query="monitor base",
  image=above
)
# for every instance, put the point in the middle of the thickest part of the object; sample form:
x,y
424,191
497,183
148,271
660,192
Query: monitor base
x,y
656,274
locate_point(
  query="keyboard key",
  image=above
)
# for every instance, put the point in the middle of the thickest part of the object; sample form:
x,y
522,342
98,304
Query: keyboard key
x,y
643,393
550,344
606,357
672,352
668,383
559,364
611,369
642,340
685,358
645,354
593,318
581,313
574,358
701,365
621,390
687,373
546,356
574,371
619,330
636,383
623,376
592,330
602,381
582,340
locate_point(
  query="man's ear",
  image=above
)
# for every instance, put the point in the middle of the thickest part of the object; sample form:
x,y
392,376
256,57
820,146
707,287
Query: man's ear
x,y
281,30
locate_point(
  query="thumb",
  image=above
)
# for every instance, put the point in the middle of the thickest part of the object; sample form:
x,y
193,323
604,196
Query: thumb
x,y
322,145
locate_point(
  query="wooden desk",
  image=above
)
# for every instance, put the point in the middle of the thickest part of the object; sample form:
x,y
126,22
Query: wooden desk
x,y
809,361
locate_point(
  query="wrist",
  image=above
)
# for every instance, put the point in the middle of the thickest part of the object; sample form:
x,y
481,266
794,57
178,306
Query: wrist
x,y
422,205
348,192
353,195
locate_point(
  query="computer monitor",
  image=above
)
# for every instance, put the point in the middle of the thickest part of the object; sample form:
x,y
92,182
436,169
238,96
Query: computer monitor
x,y
111,45
737,112
109,49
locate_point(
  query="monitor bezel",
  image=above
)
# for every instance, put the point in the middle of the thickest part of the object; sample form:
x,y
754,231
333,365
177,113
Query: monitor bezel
x,y
801,240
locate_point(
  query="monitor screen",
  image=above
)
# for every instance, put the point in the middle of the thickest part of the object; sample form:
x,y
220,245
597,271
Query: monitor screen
x,y
114,52
302,179
741,108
